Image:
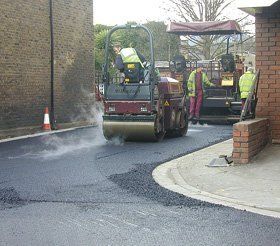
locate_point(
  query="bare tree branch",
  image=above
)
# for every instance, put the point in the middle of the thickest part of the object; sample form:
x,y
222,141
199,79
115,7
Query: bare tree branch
x,y
204,10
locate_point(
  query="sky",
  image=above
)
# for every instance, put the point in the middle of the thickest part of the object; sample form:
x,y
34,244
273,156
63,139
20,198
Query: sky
x,y
113,12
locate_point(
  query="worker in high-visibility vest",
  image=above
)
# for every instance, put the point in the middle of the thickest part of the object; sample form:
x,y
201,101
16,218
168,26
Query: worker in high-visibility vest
x,y
197,81
246,82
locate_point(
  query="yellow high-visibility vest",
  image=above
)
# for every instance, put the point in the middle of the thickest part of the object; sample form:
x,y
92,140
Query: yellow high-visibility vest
x,y
192,83
129,55
246,82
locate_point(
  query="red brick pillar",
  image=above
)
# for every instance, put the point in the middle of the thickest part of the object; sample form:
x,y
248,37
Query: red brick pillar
x,y
249,138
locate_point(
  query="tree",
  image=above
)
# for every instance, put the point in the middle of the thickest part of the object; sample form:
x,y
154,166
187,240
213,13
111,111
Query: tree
x,y
199,10
100,33
166,45
209,46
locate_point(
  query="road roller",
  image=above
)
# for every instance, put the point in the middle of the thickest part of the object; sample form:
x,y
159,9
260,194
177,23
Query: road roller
x,y
138,108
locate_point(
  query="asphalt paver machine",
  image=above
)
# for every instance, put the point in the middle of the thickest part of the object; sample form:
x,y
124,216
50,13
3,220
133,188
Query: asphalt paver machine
x,y
222,102
144,109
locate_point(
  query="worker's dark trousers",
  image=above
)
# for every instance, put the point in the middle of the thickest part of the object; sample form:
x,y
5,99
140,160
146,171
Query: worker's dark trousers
x,y
195,104
243,100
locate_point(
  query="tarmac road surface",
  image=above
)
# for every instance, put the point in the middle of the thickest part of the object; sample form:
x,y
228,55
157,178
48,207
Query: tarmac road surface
x,y
74,188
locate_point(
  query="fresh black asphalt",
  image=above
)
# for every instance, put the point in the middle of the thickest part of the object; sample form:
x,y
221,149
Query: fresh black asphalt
x,y
75,188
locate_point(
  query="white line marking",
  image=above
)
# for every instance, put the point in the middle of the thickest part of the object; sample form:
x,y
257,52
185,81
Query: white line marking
x,y
43,133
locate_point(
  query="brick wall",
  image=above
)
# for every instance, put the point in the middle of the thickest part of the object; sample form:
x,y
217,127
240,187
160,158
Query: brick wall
x,y
249,138
25,60
268,61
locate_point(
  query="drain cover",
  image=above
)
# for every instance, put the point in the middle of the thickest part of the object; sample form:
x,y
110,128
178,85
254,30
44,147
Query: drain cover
x,y
219,162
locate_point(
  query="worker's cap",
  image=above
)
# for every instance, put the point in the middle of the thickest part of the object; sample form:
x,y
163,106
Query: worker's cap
x,y
250,69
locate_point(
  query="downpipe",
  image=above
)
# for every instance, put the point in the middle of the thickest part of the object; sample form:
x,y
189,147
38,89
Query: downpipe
x,y
52,111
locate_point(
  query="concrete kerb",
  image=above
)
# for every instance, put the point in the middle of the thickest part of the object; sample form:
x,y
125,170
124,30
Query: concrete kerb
x,y
168,176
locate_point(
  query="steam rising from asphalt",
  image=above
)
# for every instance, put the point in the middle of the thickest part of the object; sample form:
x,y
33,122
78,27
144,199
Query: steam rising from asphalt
x,y
116,141
94,116
57,146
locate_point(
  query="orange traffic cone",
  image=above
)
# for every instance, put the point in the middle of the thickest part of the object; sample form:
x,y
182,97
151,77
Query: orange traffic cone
x,y
46,125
